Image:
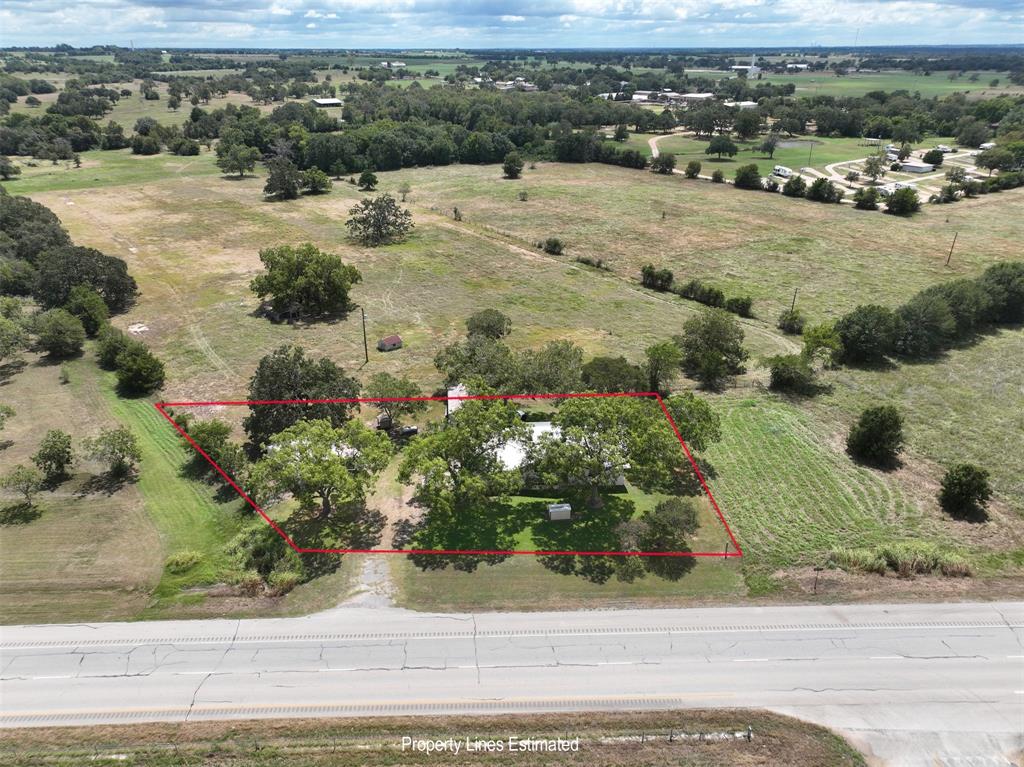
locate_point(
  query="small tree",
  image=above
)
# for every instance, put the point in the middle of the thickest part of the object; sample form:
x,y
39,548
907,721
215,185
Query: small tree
x,y
513,165
315,181
305,280
664,164
338,169
25,481
138,370
823,190
404,189
284,179
965,491
877,437
791,321
378,221
851,177
934,157
662,365
489,323
398,392
903,202
117,448
8,169
720,145
54,455
367,181
866,198
790,372
875,166
60,333
712,347
692,169
769,145
90,308
795,186
748,177
621,132
868,333
237,159
717,177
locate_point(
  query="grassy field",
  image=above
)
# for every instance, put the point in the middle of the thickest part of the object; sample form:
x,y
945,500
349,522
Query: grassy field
x,y
342,742
935,84
191,239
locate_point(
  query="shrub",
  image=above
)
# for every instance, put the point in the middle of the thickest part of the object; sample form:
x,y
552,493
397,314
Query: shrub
x,y
138,370
54,455
906,558
695,290
790,372
926,326
770,185
877,437
934,157
1004,285
184,147
740,305
554,246
717,177
664,164
597,263
182,561
903,202
866,198
791,321
522,195
747,177
512,167
823,190
90,308
712,347
110,342
315,181
60,333
795,186
656,279
965,491
367,180
489,323
145,145
868,333
692,169
281,582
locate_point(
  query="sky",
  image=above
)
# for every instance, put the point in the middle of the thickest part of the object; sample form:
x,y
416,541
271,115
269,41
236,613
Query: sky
x,y
508,23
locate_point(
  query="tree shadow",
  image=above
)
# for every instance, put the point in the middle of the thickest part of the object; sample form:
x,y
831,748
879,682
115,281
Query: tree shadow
x,y
10,369
19,514
107,483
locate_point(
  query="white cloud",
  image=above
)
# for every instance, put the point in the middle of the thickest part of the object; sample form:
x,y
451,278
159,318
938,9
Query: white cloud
x,y
512,19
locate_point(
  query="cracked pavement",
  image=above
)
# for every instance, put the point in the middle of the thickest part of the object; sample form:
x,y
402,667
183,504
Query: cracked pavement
x,y
908,684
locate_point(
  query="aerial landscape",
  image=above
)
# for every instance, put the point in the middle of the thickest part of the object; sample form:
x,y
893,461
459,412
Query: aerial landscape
x,y
533,387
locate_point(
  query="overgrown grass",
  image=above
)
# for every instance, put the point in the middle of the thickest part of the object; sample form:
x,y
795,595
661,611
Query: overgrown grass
x,y
905,558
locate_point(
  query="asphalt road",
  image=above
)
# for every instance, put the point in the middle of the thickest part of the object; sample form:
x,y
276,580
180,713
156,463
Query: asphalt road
x,y
908,684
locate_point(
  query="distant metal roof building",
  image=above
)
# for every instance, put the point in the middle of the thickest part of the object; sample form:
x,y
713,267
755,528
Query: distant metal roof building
x,y
327,102
388,343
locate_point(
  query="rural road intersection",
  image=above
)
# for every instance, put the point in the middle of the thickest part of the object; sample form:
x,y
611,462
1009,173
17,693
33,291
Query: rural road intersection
x,y
908,684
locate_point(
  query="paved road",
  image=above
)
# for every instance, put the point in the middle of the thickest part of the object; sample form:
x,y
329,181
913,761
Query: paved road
x,y
914,684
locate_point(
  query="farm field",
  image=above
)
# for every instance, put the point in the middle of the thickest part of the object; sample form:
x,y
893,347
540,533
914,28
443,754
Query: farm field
x,y
935,84
191,238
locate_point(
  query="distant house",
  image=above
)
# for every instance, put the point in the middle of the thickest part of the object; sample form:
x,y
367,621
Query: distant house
x,y
696,98
389,343
798,67
741,104
325,103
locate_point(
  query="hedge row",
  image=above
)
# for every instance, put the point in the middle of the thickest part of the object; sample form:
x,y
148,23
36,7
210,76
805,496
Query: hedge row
x,y
663,280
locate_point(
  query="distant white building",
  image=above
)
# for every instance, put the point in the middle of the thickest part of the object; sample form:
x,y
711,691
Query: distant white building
x,y
750,70
697,98
326,103
741,104
911,165
796,67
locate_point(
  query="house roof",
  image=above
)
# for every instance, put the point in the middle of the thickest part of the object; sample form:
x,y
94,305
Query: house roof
x,y
392,339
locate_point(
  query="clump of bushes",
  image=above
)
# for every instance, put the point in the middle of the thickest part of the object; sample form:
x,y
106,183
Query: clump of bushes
x,y
138,370
965,491
695,290
791,321
794,187
877,437
182,561
740,305
905,558
823,190
790,372
597,263
747,177
717,177
656,279
553,245
692,169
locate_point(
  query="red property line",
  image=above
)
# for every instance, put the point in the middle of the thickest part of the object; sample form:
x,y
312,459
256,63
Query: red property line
x,y
737,552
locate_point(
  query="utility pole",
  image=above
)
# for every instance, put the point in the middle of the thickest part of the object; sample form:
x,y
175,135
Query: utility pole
x,y
950,256
366,345
792,306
